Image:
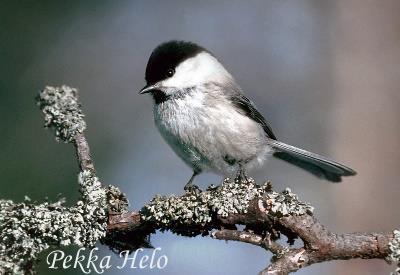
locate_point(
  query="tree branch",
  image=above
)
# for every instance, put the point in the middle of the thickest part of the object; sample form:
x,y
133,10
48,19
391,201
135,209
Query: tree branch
x,y
26,228
264,223
101,214
83,153
251,238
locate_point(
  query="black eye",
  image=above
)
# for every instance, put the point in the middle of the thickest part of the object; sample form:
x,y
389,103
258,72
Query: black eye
x,y
170,72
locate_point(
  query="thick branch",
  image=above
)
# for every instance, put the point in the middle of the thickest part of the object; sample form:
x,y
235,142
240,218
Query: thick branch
x,y
264,223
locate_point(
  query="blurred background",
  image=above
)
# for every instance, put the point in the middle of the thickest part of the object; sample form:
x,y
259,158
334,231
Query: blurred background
x,y
324,73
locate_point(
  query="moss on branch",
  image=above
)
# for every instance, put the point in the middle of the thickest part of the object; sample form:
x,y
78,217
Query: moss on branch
x,y
62,111
26,229
394,250
197,210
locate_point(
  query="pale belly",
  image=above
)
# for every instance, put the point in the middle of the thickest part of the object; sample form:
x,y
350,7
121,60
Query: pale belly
x,y
215,138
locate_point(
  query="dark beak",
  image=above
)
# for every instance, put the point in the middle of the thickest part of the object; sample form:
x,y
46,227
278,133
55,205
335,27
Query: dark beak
x,y
147,89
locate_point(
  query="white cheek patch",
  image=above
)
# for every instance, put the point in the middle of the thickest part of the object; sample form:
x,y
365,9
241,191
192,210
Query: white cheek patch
x,y
198,70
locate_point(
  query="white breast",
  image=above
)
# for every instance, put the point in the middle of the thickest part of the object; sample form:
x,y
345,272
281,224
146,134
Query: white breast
x,y
204,129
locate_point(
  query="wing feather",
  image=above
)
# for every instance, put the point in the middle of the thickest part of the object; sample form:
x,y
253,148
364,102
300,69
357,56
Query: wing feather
x,y
246,106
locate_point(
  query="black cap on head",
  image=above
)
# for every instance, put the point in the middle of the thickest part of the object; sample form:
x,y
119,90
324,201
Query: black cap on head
x,y
168,56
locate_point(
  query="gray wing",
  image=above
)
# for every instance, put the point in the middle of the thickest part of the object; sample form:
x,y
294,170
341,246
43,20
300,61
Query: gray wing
x,y
245,106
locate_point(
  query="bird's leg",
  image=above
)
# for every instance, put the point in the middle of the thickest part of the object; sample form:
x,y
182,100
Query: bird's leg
x,y
241,175
190,187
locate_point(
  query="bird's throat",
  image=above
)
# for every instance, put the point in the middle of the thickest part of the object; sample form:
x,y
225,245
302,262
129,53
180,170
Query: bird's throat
x,y
159,96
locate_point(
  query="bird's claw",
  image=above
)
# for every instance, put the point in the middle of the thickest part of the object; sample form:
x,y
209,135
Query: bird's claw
x,y
242,178
191,188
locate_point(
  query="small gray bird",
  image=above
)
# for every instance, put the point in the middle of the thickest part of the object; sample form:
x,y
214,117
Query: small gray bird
x,y
203,115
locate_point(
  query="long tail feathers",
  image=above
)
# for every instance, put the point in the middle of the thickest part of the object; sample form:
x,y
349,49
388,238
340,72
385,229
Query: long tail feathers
x,y
317,165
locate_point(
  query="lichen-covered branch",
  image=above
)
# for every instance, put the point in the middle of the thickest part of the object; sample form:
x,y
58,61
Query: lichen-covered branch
x,y
394,250
265,214
26,229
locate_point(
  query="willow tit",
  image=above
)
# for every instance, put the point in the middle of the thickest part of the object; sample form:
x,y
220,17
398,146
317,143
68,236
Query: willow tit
x,y
203,115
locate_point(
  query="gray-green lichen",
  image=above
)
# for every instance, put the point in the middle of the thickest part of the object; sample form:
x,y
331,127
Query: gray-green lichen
x,y
116,200
192,209
286,203
62,111
394,250
27,229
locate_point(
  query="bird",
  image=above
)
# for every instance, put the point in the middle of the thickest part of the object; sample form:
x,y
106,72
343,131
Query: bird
x,y
203,114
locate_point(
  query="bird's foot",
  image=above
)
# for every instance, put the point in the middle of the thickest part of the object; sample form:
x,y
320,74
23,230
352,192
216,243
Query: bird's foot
x,y
191,188
241,177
